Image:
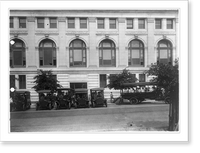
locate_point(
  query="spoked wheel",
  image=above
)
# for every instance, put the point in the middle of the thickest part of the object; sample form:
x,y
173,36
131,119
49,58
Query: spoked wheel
x,y
134,101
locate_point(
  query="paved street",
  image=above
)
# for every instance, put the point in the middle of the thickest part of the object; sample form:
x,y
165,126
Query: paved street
x,y
148,116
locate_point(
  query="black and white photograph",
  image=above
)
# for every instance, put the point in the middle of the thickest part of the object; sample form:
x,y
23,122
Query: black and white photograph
x,y
95,70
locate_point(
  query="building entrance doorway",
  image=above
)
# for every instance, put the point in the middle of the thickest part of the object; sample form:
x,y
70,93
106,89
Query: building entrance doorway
x,y
78,85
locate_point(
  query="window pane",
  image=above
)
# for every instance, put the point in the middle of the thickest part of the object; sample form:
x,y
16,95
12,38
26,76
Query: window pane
x,y
18,44
12,81
135,53
71,23
129,23
135,43
77,55
48,44
169,24
102,80
141,23
107,54
112,23
11,22
53,23
17,57
48,59
22,22
141,77
158,23
83,23
163,53
100,23
77,43
106,44
162,44
22,82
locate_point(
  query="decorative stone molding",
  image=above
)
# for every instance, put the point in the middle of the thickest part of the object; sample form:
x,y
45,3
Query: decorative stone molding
x,y
150,20
106,36
121,20
92,19
100,33
46,35
165,32
136,36
136,33
77,36
61,19
85,47
31,19
46,32
164,36
77,33
19,32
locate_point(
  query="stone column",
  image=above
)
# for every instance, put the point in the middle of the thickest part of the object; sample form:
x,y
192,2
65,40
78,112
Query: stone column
x,y
150,53
123,53
31,51
93,51
62,53
175,51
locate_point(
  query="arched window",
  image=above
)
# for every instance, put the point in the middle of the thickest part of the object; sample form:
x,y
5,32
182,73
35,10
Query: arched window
x,y
107,53
164,54
77,53
136,53
17,53
47,53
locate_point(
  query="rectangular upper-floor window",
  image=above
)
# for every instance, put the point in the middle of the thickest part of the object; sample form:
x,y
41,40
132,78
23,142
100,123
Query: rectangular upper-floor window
x,y
11,22
169,23
22,22
53,22
129,23
40,22
141,77
83,23
100,23
158,23
22,81
141,23
71,23
112,23
103,80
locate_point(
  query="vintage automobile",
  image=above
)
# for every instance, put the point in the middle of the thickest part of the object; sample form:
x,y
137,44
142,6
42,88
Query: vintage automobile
x,y
140,91
20,100
97,97
46,100
64,98
81,98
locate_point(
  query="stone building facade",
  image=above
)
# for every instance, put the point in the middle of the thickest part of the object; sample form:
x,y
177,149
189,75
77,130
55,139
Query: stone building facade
x,y
83,47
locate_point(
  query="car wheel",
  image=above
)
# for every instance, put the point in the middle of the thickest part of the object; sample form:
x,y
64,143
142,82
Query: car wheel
x,y
134,101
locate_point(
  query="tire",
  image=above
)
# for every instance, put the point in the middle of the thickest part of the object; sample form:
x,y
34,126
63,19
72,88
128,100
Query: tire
x,y
75,105
134,101
106,104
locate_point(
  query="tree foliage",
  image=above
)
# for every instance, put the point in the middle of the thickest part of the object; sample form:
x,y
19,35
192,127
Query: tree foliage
x,y
167,76
45,80
115,80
